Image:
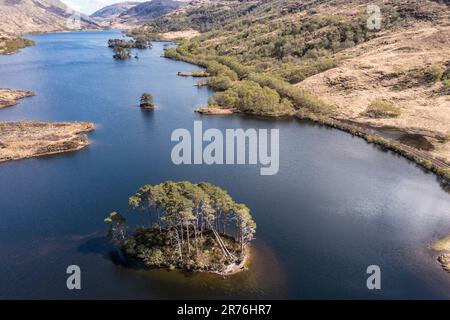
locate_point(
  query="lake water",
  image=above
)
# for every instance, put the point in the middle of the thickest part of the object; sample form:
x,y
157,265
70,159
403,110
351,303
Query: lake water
x,y
336,206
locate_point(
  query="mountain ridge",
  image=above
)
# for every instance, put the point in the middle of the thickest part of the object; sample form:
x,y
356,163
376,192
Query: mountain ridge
x,y
114,10
19,17
129,14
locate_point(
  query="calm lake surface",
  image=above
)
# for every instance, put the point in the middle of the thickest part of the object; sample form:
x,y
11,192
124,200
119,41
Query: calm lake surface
x,y
336,206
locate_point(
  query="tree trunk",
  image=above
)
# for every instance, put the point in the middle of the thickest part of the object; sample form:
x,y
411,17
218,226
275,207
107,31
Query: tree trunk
x,y
187,235
179,244
182,236
196,240
159,219
222,246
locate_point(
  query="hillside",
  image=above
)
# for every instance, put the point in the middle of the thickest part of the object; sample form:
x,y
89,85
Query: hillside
x,y
321,61
18,17
113,11
126,15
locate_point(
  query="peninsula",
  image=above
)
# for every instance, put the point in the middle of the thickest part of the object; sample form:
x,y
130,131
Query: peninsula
x,y
26,139
10,97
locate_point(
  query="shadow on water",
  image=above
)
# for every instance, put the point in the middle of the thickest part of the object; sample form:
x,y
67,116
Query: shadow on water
x,y
103,247
263,277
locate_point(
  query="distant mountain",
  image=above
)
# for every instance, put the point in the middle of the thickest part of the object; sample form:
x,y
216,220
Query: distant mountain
x,y
114,10
29,16
132,14
152,9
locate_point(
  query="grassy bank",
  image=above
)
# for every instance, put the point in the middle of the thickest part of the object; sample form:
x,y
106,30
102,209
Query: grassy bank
x,y
11,46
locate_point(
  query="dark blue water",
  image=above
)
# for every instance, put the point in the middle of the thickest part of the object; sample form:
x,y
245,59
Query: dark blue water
x,y
337,205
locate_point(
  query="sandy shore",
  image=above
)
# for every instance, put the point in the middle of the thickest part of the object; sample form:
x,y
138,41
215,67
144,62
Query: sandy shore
x,y
10,97
26,139
236,268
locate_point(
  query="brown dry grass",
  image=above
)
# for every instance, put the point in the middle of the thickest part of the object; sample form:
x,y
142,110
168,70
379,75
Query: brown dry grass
x,y
185,34
26,139
9,97
371,72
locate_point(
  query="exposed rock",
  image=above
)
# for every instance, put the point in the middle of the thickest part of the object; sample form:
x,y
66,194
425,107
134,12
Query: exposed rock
x,y
444,260
216,111
195,74
443,245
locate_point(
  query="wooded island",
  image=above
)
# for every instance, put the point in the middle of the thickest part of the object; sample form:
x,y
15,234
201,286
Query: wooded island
x,y
195,227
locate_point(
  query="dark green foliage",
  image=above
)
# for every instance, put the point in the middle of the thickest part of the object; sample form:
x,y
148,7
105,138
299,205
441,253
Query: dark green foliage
x,y
220,83
122,48
249,97
121,53
192,226
129,44
146,101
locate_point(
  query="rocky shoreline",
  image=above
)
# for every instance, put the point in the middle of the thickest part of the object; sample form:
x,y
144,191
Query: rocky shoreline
x,y
27,139
10,97
443,246
216,111
234,268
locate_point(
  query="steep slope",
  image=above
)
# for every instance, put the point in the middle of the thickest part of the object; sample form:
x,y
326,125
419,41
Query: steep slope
x,y
27,16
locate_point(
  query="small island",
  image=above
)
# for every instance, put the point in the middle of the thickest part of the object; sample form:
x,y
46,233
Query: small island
x,y
146,102
122,48
195,227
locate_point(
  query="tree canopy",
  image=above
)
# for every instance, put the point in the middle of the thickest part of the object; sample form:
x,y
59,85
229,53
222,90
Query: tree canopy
x,y
147,101
193,220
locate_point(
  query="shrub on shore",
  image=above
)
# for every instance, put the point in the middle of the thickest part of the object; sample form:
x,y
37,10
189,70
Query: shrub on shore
x,y
10,46
250,97
446,84
382,109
